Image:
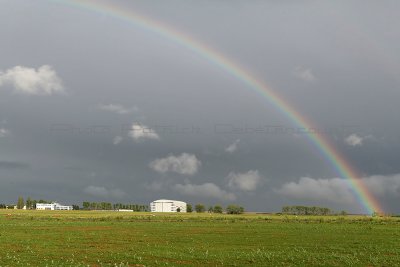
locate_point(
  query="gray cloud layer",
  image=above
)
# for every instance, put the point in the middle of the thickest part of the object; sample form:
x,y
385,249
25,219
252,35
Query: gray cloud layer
x,y
10,165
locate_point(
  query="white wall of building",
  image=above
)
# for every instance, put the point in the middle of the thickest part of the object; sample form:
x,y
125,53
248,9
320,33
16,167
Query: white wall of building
x,y
52,206
166,205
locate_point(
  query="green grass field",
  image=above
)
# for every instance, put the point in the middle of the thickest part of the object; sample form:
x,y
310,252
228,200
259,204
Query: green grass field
x,y
72,238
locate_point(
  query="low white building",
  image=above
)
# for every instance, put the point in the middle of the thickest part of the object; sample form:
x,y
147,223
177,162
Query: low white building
x,y
165,205
52,206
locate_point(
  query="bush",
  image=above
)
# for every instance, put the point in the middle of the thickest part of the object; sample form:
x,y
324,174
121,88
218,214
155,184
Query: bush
x,y
217,209
189,208
200,208
234,209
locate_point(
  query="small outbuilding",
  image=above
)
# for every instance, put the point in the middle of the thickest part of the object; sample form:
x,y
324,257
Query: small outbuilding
x,y
166,205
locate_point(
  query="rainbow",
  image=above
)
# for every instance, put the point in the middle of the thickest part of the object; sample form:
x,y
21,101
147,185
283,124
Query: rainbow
x,y
341,166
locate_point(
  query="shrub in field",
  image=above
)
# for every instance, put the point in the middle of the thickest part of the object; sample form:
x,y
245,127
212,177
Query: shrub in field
x,y
234,209
189,208
200,208
217,209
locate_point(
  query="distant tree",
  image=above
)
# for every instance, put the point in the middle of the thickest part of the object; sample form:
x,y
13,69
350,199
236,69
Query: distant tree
x,y
304,210
28,203
218,209
75,207
189,208
326,211
110,206
211,209
20,203
34,204
200,208
234,209
178,209
86,205
285,209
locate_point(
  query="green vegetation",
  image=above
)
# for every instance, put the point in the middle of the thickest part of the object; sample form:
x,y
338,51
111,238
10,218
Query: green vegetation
x,y
217,209
20,203
30,204
304,210
102,238
230,209
234,209
109,206
189,208
199,208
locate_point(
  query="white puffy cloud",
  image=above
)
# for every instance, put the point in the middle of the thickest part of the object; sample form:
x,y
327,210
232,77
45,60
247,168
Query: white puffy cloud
x,y
43,81
118,139
207,190
244,181
186,164
100,191
117,108
339,190
141,132
4,132
232,147
304,74
354,140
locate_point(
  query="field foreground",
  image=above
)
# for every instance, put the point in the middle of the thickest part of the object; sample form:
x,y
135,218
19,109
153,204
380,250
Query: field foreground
x,y
86,238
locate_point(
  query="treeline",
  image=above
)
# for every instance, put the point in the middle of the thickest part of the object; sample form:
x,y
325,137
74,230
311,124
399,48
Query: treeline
x,y
304,210
30,204
86,205
230,209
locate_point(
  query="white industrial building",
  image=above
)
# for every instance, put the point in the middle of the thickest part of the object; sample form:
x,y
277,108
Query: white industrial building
x,y
52,206
165,205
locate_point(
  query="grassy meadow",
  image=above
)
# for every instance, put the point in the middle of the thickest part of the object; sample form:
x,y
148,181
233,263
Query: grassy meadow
x,y
90,238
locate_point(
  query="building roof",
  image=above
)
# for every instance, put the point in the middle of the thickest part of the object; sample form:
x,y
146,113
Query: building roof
x,y
168,200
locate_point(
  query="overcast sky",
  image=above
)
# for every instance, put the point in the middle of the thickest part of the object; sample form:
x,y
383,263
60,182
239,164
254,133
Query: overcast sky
x,y
95,108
